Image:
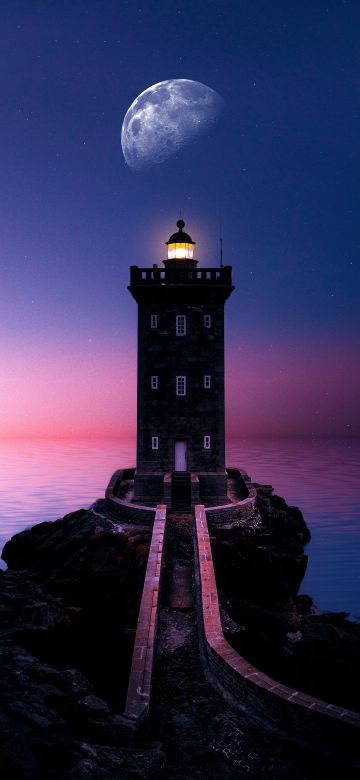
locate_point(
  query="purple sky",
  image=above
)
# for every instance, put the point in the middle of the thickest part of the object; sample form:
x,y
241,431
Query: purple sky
x,y
281,166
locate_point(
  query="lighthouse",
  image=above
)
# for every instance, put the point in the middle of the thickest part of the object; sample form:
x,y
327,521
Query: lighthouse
x,y
180,391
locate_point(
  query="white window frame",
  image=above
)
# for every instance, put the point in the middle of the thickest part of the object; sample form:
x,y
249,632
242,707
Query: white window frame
x,y
181,385
180,325
207,442
153,320
207,320
207,381
154,442
154,381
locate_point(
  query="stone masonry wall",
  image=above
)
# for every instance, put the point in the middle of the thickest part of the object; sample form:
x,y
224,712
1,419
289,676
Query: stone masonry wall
x,y
326,727
123,510
239,511
160,411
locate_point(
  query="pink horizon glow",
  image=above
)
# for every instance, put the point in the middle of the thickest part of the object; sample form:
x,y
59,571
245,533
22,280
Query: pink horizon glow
x,y
280,391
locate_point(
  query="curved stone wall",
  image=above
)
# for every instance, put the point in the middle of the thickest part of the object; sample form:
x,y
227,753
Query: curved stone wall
x,y
329,728
125,511
237,511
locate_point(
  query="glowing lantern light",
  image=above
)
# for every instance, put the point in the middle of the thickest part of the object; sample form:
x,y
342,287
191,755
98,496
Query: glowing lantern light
x,y
180,252
180,245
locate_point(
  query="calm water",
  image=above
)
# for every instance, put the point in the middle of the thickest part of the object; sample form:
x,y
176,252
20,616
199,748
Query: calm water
x,y
44,480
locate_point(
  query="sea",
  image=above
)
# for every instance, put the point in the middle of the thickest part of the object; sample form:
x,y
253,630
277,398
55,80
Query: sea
x,y
43,480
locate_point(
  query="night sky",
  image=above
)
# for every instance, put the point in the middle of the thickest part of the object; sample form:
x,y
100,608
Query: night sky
x,y
279,170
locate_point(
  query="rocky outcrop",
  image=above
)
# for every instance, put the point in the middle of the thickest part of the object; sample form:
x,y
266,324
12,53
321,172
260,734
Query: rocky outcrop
x,y
259,574
264,563
68,609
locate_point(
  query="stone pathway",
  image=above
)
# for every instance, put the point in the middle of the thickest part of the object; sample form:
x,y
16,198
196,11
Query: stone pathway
x,y
203,737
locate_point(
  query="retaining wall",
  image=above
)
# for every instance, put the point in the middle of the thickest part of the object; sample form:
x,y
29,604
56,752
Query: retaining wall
x,y
125,511
139,688
329,728
238,511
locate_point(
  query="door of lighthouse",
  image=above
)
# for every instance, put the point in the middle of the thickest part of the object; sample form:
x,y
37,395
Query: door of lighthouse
x,y
180,456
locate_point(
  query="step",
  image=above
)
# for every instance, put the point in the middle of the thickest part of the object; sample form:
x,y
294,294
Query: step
x,y
181,491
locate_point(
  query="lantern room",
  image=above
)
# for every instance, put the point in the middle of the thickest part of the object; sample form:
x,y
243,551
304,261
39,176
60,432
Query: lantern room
x,y
180,248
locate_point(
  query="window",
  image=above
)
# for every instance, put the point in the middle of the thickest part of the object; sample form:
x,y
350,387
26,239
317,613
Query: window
x,y
207,320
180,325
154,442
207,442
153,321
154,382
181,385
207,381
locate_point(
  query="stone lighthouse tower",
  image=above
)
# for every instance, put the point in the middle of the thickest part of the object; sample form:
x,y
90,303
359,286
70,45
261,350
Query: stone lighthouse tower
x,y
180,405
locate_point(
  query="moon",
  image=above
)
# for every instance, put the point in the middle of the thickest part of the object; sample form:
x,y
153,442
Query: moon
x,y
166,117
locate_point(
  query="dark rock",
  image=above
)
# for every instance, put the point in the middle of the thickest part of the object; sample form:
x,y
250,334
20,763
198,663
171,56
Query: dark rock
x,y
278,502
93,705
73,683
41,717
69,604
266,490
79,570
304,604
258,578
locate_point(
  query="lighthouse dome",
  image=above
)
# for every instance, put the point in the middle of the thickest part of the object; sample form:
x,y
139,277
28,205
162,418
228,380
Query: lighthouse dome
x,y
180,237
180,247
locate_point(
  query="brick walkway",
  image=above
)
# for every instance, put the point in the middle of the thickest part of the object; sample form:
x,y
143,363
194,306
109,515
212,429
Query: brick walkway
x,y
202,737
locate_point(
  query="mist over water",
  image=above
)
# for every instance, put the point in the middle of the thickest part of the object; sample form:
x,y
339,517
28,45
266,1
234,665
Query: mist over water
x,y
43,480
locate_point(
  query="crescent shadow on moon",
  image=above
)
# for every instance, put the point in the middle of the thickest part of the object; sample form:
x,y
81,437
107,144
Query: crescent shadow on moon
x,y
166,117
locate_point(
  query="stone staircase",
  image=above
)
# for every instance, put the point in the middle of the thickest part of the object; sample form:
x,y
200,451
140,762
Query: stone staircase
x,y
181,492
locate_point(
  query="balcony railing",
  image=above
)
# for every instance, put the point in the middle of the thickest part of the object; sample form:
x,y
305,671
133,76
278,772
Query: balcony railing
x,y
165,276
